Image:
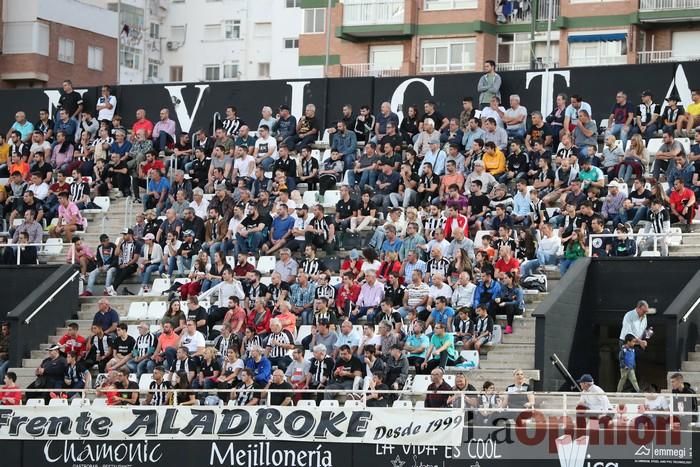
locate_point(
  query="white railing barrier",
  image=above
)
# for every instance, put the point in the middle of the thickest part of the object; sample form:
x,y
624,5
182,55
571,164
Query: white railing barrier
x,y
356,70
50,297
652,5
367,12
639,236
40,249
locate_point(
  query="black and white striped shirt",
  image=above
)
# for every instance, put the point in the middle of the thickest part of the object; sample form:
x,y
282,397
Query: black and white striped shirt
x,y
283,338
247,393
159,392
463,326
144,343
100,344
482,325
320,370
185,365
312,266
127,252
222,344
432,223
326,291
77,190
232,126
322,224
254,342
661,221
436,266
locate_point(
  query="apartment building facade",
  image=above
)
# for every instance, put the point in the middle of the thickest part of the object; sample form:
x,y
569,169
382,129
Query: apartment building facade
x,y
45,42
407,37
216,40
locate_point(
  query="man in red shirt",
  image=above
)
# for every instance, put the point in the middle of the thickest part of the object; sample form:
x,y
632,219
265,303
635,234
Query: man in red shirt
x,y
506,263
682,201
235,317
9,393
152,162
73,342
142,123
454,220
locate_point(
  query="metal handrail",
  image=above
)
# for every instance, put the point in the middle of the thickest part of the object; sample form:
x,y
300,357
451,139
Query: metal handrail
x,y
565,398
39,249
50,297
691,310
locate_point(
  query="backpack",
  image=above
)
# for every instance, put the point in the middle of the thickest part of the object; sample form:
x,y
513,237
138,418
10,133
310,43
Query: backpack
x,y
536,282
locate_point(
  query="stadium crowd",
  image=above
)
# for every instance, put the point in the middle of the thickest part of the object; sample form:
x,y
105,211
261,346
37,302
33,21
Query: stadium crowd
x,y
444,220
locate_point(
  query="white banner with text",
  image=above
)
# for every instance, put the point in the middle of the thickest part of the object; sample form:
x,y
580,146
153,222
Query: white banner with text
x,y
437,427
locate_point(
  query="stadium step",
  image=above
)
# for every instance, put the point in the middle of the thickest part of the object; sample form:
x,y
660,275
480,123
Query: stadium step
x,y
693,366
694,356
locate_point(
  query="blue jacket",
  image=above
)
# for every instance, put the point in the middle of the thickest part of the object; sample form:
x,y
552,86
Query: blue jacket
x,y
482,290
345,144
262,370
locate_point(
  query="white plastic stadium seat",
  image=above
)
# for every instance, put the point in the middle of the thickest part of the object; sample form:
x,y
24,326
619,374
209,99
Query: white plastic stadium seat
x,y
266,264
335,280
103,202
145,381
654,145
231,261
159,286
420,404
304,330
58,402
78,402
686,144
99,402
251,260
329,403
352,403
497,335
35,402
306,403
17,222
133,330
137,311
330,198
266,281
471,358
53,246
310,198
403,404
479,235
156,310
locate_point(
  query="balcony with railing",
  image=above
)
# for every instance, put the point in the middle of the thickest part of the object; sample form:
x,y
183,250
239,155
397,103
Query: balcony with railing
x,y
664,56
361,70
515,66
525,16
368,18
659,11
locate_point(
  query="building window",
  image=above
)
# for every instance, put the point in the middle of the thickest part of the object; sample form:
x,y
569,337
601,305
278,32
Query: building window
x,y
212,32
66,50
177,34
263,30
450,4
211,72
291,43
95,58
314,21
263,70
447,55
130,57
293,3
231,70
154,32
232,29
152,68
605,52
176,73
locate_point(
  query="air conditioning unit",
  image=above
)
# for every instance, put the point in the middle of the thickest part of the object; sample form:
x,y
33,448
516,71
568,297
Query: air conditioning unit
x,y
171,45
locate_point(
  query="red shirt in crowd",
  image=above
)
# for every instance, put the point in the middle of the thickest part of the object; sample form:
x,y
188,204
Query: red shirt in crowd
x,y
344,295
8,397
677,199
237,318
77,344
156,164
507,266
144,124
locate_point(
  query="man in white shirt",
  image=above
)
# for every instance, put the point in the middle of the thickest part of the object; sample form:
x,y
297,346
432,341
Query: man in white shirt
x,y
592,396
243,165
635,323
348,336
265,151
39,187
193,340
515,118
546,253
106,105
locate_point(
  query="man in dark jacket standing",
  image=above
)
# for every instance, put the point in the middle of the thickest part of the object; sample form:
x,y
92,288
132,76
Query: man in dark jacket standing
x,y
687,403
